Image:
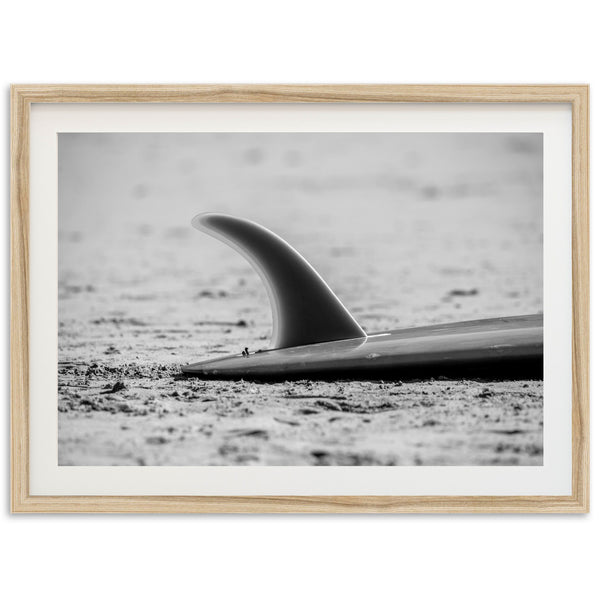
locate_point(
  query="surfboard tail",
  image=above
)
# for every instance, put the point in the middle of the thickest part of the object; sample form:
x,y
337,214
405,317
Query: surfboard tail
x,y
304,308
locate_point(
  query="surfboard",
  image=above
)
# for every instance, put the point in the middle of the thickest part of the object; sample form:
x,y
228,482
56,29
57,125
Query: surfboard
x,y
315,336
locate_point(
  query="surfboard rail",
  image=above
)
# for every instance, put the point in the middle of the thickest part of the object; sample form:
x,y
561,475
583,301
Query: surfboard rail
x,y
507,348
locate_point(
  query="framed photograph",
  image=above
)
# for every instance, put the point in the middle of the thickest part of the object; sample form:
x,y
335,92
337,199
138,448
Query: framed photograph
x,y
299,298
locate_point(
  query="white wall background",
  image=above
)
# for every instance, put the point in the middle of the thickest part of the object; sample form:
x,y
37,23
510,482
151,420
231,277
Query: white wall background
x,y
423,41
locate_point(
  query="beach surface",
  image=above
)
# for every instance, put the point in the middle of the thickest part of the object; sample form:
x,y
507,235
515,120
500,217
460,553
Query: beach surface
x,y
408,230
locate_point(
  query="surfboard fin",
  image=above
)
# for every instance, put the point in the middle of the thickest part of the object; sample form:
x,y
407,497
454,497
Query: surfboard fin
x,y
305,310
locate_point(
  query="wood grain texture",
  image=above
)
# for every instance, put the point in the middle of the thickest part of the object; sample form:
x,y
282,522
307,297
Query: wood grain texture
x,y
581,300
300,504
22,96
19,298
298,93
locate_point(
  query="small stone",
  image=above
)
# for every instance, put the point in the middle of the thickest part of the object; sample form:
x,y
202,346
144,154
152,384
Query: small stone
x,y
117,387
157,440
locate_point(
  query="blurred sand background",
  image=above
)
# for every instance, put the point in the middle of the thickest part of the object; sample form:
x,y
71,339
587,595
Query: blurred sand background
x,y
407,229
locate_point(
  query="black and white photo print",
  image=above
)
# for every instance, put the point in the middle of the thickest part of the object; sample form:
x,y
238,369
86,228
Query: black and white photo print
x,y
303,299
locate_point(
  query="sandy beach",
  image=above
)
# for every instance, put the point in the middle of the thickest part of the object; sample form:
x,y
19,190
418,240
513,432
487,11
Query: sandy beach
x,y
408,230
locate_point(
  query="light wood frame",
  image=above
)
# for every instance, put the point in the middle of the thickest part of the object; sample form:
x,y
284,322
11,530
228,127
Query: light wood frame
x,y
22,96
